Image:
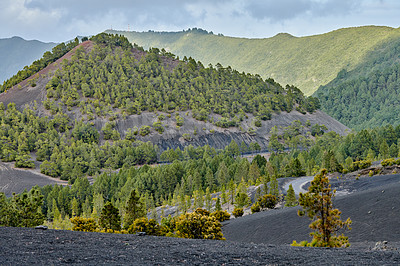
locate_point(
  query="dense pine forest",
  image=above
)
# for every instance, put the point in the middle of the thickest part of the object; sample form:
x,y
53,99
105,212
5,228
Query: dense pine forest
x,y
367,96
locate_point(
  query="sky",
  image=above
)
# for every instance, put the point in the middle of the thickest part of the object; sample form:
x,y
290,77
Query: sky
x,y
62,20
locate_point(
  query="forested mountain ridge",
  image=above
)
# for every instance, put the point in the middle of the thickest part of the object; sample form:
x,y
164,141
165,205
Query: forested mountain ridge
x,y
367,96
15,53
153,96
307,62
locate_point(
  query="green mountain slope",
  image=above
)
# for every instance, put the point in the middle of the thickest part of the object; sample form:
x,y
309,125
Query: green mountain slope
x,y
306,62
15,53
367,96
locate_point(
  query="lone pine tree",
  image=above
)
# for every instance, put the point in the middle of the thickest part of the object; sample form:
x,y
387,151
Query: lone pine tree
x,y
290,197
317,205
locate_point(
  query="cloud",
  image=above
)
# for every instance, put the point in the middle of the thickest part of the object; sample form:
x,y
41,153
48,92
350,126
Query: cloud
x,y
61,20
283,10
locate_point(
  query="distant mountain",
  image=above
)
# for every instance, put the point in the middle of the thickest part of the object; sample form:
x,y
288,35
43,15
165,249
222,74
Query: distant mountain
x,y
367,96
15,53
306,62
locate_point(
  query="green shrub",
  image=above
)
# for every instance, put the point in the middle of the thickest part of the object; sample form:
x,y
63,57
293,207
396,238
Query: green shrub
x,y
151,227
221,215
179,120
371,173
251,131
202,211
186,137
388,162
158,126
359,165
197,226
238,212
268,201
144,130
24,161
255,207
84,224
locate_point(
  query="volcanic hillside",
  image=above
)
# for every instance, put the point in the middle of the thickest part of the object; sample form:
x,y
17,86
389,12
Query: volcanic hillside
x,y
372,207
116,87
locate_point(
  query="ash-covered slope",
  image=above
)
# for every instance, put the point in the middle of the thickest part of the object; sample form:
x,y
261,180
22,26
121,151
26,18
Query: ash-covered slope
x,y
374,211
108,83
25,246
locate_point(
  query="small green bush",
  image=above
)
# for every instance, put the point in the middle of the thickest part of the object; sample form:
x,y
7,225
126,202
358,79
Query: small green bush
x,y
24,161
186,137
150,227
179,120
388,162
255,207
221,215
268,201
197,226
158,126
238,212
84,224
371,173
144,130
359,165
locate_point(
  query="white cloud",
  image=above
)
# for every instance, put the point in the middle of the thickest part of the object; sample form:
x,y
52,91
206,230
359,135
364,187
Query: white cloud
x,y
60,20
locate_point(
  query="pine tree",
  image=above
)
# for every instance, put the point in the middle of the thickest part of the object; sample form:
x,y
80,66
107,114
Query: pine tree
x,y
86,209
198,199
26,209
274,190
134,209
317,205
290,197
218,205
75,207
232,191
254,172
222,174
110,218
5,211
208,199
98,204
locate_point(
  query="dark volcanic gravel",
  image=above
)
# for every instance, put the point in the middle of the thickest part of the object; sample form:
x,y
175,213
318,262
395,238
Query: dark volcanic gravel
x,y
375,213
262,238
22,246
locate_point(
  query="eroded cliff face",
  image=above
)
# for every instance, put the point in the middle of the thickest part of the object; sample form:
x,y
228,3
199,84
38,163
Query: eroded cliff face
x,y
198,133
